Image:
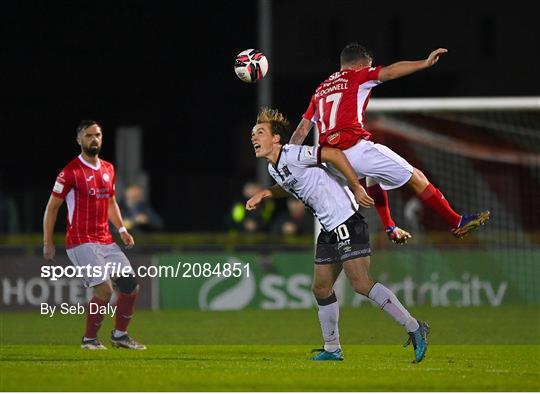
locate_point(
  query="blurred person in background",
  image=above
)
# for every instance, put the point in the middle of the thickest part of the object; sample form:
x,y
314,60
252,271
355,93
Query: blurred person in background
x,y
139,216
9,218
295,221
244,221
413,212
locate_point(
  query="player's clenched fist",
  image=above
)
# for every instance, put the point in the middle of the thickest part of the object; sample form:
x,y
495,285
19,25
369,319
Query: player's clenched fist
x,y
127,239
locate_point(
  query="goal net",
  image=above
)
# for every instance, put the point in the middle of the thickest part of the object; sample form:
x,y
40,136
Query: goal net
x,y
482,153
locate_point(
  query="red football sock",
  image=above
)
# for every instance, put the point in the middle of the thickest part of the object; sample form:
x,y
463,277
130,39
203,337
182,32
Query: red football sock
x,y
433,198
94,320
381,204
124,310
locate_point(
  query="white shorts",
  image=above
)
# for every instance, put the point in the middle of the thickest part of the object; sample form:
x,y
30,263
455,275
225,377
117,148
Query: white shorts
x,y
96,256
379,162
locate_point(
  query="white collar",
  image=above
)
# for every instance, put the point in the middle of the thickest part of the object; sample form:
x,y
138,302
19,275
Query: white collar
x,y
89,164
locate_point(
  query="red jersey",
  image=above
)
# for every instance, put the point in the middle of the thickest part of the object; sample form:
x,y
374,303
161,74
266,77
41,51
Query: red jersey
x,y
339,104
86,189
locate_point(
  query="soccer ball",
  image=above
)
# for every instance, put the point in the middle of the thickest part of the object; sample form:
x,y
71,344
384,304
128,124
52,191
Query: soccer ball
x,y
251,65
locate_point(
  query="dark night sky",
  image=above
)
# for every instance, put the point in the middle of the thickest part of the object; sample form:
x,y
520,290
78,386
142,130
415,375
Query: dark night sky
x,y
168,68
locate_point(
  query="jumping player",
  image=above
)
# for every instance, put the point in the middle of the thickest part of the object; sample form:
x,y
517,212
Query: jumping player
x,y
87,186
338,106
343,243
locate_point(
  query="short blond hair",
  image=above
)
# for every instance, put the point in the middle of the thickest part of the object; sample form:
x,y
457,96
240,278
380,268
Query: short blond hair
x,y
267,114
278,123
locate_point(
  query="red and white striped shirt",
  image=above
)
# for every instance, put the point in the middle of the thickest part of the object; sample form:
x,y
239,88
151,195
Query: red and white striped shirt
x,y
86,189
339,104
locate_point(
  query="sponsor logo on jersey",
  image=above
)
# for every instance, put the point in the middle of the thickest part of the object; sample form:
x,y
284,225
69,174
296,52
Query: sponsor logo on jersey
x,y
334,76
290,184
91,191
286,171
60,177
58,187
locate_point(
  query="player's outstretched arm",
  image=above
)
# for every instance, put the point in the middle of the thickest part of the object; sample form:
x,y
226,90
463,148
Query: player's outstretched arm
x,y
400,69
301,132
49,220
275,191
116,219
338,159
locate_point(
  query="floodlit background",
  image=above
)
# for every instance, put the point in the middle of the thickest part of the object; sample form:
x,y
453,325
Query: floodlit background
x,y
158,76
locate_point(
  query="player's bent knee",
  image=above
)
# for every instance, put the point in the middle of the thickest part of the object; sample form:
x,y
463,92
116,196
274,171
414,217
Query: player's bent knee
x,y
127,284
418,181
419,175
103,291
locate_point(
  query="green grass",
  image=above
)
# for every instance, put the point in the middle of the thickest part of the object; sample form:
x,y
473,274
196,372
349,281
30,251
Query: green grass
x,y
472,349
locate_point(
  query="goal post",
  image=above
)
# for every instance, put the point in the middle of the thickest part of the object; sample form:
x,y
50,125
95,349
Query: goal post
x,y
462,104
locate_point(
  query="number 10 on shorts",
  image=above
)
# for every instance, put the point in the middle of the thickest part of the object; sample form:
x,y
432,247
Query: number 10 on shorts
x,y
342,232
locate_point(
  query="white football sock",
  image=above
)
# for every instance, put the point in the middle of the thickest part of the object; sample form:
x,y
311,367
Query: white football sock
x,y
118,334
391,305
329,317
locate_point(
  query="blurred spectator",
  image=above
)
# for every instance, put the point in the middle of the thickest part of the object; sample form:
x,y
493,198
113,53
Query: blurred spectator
x,y
9,219
413,211
244,221
9,223
295,221
138,215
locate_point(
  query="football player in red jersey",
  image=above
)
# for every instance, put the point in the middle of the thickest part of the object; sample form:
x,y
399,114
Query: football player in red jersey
x,y
87,186
338,106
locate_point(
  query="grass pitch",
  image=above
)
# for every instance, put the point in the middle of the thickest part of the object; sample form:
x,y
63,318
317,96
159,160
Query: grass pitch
x,y
474,349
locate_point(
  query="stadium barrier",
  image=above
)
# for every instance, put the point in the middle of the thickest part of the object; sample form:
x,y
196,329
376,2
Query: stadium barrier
x,y
23,287
283,280
434,269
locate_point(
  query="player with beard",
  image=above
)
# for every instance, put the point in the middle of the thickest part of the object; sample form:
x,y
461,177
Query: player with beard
x,y
87,186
